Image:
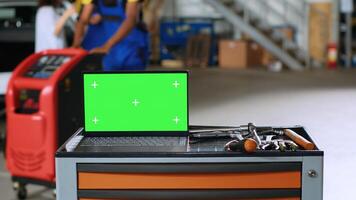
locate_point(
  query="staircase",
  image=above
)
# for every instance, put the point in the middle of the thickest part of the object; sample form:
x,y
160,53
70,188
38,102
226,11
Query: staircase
x,y
250,22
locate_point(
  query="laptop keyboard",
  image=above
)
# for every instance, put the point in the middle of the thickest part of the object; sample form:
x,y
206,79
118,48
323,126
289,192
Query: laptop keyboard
x,y
134,141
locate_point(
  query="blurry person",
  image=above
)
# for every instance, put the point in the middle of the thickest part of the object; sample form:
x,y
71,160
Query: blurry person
x,y
49,25
89,29
66,22
122,35
152,12
69,15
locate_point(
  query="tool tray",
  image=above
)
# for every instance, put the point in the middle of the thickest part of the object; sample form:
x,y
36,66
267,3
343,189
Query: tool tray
x,y
203,171
199,147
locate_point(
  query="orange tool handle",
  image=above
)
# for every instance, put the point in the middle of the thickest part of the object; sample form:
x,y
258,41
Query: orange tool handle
x,y
250,145
307,145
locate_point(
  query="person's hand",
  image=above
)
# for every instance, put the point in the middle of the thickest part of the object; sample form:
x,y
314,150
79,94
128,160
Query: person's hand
x,y
100,50
95,19
76,46
70,11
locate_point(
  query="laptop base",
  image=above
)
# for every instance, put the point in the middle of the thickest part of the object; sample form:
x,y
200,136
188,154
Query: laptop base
x,y
133,144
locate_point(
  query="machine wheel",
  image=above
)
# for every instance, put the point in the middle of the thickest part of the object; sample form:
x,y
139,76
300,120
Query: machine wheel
x,y
4,146
54,193
21,190
22,193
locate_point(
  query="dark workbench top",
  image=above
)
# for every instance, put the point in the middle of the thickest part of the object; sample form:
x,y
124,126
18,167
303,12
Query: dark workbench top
x,y
202,148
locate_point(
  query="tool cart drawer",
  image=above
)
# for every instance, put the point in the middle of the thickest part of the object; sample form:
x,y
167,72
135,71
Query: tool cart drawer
x,y
178,181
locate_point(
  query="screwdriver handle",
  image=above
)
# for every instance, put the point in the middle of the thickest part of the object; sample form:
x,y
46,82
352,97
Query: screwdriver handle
x,y
247,145
250,145
301,141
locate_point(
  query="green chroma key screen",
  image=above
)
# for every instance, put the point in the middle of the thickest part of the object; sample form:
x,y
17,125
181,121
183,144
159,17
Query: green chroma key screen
x,y
136,102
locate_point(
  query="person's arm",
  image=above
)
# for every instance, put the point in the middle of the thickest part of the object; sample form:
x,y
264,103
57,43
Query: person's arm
x,y
62,20
81,25
152,19
132,10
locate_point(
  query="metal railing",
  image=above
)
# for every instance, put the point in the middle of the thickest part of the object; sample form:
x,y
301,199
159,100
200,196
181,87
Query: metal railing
x,y
266,11
289,13
236,18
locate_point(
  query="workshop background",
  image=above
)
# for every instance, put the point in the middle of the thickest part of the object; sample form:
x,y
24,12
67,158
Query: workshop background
x,y
275,62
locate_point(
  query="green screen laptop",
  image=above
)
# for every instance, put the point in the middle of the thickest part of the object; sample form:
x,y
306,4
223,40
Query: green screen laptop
x,y
145,106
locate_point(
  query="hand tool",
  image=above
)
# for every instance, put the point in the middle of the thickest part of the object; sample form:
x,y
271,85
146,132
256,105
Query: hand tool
x,y
251,134
301,141
253,131
295,137
241,129
246,145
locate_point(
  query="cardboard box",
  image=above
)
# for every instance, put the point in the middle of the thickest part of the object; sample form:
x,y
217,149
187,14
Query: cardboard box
x,y
255,54
239,54
267,57
321,19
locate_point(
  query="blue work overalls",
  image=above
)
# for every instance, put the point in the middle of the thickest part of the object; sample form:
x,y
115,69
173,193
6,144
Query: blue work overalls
x,y
132,52
94,36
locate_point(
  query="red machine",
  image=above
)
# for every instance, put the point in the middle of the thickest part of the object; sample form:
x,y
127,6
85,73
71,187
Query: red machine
x,y
43,107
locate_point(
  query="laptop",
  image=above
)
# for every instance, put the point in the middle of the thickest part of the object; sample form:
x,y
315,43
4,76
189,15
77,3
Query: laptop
x,y
135,112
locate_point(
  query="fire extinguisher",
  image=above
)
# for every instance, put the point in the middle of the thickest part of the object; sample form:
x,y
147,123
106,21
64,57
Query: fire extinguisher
x,y
332,56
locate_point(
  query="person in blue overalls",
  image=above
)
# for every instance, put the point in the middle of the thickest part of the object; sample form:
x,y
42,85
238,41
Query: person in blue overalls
x,y
90,18
122,30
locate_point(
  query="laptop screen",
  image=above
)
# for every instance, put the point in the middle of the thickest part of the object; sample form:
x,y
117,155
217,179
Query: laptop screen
x,y
136,102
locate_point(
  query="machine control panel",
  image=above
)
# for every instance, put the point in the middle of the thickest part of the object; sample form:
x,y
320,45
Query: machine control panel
x,y
46,66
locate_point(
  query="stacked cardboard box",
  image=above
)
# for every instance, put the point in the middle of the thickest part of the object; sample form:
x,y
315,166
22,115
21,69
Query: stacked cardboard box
x,y
267,57
239,54
245,53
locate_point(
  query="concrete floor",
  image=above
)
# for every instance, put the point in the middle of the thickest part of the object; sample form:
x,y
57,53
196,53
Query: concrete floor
x,y
322,101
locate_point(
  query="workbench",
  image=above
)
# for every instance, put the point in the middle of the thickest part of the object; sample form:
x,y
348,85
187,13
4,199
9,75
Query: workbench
x,y
203,171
